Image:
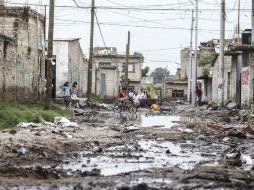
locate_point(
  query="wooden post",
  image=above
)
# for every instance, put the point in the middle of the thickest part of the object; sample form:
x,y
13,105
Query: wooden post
x,y
50,55
126,79
90,62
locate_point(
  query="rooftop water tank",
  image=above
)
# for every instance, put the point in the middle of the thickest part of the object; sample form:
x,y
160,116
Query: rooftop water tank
x,y
246,37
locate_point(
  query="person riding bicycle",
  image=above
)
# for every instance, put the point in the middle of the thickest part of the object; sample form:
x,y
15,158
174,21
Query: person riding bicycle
x,y
121,96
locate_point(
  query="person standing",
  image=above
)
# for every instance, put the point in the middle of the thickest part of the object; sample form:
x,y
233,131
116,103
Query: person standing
x,y
67,94
199,95
74,94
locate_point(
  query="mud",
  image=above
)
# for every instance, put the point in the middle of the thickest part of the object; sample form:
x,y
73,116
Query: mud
x,y
149,150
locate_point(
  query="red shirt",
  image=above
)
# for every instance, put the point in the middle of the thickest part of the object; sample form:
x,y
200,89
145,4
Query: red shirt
x,y
121,94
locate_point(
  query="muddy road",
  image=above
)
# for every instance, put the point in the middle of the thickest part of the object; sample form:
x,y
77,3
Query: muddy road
x,y
185,149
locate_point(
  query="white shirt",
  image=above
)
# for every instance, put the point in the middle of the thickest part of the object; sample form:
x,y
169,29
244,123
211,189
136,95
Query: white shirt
x,y
136,99
130,94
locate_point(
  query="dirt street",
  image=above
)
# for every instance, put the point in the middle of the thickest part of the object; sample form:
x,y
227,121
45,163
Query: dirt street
x,y
185,149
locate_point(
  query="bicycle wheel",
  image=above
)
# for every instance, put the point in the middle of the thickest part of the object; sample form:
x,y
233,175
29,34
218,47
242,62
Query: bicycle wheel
x,y
132,109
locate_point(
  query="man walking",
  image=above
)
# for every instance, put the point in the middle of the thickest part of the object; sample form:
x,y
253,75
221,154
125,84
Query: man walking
x,y
199,95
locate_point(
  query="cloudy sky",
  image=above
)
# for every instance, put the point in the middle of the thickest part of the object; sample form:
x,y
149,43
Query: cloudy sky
x,y
159,28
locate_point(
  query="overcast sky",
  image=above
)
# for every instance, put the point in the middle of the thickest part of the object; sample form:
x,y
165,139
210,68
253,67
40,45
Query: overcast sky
x,y
158,34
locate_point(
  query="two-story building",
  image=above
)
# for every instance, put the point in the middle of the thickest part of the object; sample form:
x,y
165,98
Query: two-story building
x,y
109,71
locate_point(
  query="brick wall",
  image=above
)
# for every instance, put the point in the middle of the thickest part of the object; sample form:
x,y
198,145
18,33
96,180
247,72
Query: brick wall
x,y
26,70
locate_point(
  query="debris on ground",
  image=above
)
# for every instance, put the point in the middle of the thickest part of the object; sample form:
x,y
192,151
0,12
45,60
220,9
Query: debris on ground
x,y
235,133
203,150
64,122
219,127
231,106
212,106
28,125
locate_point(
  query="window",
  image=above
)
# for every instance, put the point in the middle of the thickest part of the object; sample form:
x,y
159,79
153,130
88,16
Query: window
x,y
178,94
102,63
131,68
5,48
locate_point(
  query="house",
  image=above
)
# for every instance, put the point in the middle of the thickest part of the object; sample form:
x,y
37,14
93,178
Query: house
x,y
176,87
70,65
241,71
109,71
22,37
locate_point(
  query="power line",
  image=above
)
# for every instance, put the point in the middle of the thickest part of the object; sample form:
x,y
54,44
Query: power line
x,y
126,8
76,3
103,40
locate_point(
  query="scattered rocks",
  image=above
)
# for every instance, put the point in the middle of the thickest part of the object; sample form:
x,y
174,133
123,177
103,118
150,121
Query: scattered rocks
x,y
235,133
231,106
78,112
212,106
13,131
64,122
94,172
234,159
28,125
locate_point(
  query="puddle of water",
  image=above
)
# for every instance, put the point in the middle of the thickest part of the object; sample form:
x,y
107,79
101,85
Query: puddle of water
x,y
159,121
144,155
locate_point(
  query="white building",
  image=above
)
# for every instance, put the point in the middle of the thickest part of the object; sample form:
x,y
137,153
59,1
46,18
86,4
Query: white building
x,y
70,66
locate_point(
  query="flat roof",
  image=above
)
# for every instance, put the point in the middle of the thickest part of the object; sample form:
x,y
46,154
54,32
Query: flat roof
x,y
66,39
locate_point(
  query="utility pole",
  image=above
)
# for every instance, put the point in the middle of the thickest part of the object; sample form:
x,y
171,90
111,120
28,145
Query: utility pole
x,y
238,24
50,54
194,65
90,62
252,23
190,59
221,59
126,79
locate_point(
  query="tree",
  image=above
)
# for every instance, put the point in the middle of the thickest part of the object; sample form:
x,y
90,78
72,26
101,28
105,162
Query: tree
x,y
145,71
159,74
207,58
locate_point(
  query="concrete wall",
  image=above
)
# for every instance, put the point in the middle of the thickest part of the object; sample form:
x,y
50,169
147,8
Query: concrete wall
x,y
77,67
170,87
184,63
118,62
61,51
25,72
111,83
215,80
70,66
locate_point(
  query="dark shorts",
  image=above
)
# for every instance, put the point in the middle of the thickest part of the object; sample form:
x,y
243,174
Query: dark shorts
x,y
67,98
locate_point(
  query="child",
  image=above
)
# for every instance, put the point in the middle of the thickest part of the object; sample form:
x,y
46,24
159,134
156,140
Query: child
x,y
74,94
67,94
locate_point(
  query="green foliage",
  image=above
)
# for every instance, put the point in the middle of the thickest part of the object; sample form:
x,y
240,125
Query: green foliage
x,y
145,71
95,98
159,74
206,72
207,59
12,113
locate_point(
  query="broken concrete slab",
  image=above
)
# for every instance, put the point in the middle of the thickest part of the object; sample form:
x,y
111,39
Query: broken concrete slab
x,y
64,122
231,106
28,125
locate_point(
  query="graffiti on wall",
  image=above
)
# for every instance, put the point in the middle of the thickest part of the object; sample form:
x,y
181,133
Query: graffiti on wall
x,y
245,76
245,85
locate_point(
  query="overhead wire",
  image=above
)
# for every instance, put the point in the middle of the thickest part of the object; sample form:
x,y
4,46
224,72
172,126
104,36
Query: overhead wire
x,y
126,8
102,37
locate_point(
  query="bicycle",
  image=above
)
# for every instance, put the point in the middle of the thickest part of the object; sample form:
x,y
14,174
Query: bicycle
x,y
125,106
